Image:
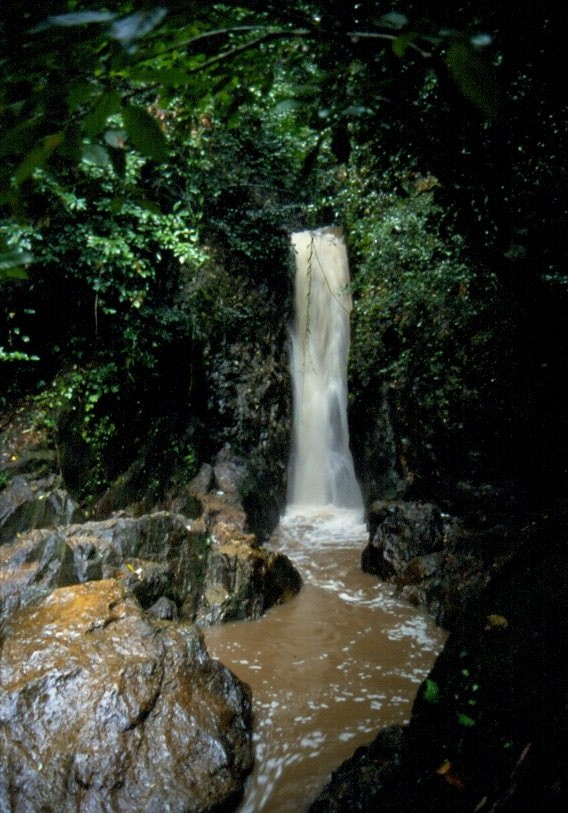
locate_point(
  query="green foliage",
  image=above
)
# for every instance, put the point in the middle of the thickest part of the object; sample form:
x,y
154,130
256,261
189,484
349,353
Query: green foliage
x,y
431,691
151,276
466,721
188,140
425,318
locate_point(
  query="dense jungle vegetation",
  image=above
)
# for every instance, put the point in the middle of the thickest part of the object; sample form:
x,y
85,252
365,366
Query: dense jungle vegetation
x,y
155,158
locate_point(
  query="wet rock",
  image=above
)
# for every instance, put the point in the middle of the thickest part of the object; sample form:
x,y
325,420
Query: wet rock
x,y
229,473
202,482
434,562
242,580
27,503
154,556
164,609
357,782
157,554
400,532
105,709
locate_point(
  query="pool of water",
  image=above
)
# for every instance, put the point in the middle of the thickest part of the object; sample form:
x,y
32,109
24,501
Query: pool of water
x,y
329,668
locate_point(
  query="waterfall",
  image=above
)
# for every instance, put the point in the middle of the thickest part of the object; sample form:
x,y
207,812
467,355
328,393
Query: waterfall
x,y
321,466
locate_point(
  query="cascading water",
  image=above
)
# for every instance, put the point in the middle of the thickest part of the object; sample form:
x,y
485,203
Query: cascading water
x,y
321,469
344,657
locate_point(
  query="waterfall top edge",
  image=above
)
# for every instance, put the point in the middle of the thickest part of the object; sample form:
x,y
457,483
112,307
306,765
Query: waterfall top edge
x,y
334,231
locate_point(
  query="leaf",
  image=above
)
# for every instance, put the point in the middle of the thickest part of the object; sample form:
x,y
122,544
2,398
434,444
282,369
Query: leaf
x,y
11,260
19,138
286,105
37,157
13,273
393,19
107,105
116,138
465,720
306,91
74,18
402,42
431,691
476,78
144,132
137,25
80,93
95,154
170,77
496,620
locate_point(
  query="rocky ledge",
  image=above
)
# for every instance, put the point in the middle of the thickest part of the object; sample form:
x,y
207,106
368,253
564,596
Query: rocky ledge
x,y
108,697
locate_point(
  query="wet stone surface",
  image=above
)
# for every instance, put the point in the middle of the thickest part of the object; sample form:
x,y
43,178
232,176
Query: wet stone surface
x,y
103,708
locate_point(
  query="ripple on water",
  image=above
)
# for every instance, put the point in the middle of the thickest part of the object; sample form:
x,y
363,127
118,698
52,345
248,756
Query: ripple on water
x,y
329,668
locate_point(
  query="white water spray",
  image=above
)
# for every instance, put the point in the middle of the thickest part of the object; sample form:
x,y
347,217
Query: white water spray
x,y
321,471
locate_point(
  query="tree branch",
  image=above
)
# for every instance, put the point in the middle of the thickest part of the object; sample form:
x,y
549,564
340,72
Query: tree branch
x,y
271,33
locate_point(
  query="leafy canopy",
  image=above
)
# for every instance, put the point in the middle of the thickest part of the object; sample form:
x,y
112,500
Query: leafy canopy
x,y
83,82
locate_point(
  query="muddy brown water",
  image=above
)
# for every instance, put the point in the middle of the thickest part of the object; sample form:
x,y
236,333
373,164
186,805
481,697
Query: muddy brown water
x,y
329,668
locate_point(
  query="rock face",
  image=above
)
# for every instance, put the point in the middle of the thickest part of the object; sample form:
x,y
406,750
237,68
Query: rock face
x,y
28,503
241,580
103,709
434,561
360,779
207,567
401,532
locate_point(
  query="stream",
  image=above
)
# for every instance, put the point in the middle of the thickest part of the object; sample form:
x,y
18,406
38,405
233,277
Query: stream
x,y
329,668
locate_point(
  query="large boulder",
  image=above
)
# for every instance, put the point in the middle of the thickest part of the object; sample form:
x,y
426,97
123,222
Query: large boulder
x,y
243,582
436,561
103,709
399,533
356,784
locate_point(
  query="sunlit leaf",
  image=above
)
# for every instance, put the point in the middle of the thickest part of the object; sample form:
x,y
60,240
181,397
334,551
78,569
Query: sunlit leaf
x,y
144,132
12,259
481,40
73,19
393,20
95,154
286,105
116,138
137,25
